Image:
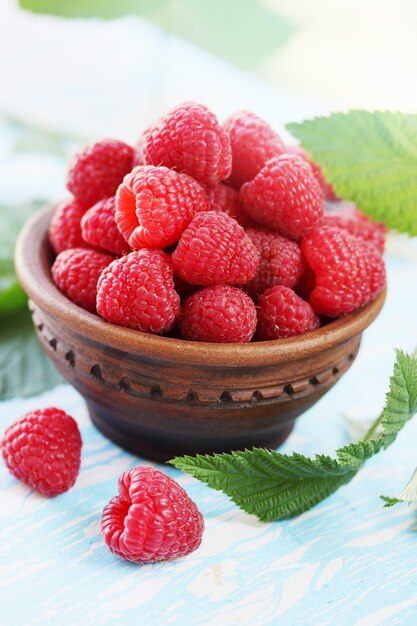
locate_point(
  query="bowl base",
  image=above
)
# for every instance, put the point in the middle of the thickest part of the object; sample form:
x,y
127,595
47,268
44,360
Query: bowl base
x,y
161,447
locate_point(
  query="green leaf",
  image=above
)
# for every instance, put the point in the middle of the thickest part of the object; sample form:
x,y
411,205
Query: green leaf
x,y
276,486
407,494
371,159
213,24
12,296
25,370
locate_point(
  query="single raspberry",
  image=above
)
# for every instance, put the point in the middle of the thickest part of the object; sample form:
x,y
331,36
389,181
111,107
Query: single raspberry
x,y
284,196
154,205
253,142
43,450
99,228
281,261
226,199
220,314
76,272
65,228
345,215
152,518
325,186
98,170
191,140
137,291
349,273
281,313
215,250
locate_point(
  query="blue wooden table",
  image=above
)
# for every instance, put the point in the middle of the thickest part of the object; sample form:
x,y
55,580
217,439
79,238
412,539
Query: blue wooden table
x,y
347,562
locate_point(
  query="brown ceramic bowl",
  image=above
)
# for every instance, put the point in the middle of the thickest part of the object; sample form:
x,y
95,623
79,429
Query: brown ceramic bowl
x,y
160,397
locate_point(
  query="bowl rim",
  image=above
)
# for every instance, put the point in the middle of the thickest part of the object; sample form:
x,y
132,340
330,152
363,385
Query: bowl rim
x,y
33,269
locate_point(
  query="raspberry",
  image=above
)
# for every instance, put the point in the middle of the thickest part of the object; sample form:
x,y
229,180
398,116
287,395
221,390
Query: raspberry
x,y
346,216
226,199
99,228
137,291
325,186
98,170
154,205
191,140
254,142
284,196
349,273
220,314
281,313
65,228
215,250
281,261
43,449
76,272
152,518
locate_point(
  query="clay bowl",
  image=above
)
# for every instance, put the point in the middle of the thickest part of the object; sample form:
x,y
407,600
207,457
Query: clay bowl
x,y
159,397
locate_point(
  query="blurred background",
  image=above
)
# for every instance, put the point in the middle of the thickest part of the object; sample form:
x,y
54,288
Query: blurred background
x,y
76,70
73,70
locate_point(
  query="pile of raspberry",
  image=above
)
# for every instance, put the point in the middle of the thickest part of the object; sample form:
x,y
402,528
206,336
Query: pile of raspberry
x,y
211,232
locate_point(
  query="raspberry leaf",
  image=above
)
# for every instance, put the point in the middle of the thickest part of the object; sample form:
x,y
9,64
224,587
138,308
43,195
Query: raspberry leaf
x,y
276,486
25,370
369,158
407,494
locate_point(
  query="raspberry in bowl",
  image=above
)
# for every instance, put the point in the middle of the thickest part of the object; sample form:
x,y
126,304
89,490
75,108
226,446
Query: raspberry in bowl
x,y
205,333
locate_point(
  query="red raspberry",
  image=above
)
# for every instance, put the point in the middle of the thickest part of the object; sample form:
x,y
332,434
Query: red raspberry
x,y
65,228
99,228
254,142
137,291
152,518
281,261
226,199
220,314
345,215
191,140
281,313
215,250
76,272
349,273
284,196
325,186
43,449
98,170
154,205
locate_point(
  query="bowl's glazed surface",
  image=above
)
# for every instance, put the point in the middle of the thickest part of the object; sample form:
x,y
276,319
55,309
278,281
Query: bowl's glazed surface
x,y
160,397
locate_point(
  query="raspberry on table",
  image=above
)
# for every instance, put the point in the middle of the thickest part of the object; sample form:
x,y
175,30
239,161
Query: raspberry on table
x,y
98,170
215,250
226,199
220,314
154,205
137,291
281,261
190,139
325,186
65,228
346,216
151,519
253,142
281,313
75,272
43,450
349,273
99,228
284,196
